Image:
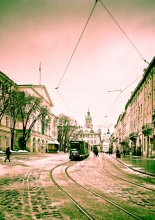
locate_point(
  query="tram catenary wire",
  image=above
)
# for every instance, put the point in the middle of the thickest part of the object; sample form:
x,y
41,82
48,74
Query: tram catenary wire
x,y
121,91
77,44
107,91
88,89
64,103
122,30
119,26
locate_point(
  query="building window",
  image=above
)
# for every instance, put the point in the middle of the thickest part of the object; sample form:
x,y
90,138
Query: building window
x,y
42,144
38,141
7,121
34,142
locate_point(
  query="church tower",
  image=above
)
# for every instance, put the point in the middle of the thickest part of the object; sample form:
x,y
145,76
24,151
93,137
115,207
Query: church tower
x,y
88,120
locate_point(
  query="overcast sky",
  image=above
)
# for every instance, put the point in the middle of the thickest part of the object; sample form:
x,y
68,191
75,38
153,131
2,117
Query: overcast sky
x,y
47,31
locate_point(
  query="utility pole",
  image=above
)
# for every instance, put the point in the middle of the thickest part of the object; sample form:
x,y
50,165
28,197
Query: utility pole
x,y
40,73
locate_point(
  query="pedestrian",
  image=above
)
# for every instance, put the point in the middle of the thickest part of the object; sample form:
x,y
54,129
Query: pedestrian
x,y
8,153
117,153
124,152
95,151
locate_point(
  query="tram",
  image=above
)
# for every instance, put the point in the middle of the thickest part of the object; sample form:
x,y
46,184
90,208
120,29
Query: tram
x,y
78,150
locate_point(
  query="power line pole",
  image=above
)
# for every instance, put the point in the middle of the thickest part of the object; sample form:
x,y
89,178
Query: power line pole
x,y
40,73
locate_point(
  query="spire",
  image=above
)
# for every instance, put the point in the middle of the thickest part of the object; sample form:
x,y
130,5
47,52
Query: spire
x,y
88,120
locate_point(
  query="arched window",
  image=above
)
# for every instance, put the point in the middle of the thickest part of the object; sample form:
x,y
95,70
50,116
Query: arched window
x,y
34,142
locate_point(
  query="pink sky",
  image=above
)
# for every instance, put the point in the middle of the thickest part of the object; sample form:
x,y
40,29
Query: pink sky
x,y
34,31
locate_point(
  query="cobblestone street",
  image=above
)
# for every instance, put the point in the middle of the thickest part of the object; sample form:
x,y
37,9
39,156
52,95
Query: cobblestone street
x,y
25,185
27,192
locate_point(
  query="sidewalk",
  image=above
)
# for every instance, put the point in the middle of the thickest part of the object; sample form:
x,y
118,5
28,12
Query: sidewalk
x,y
140,163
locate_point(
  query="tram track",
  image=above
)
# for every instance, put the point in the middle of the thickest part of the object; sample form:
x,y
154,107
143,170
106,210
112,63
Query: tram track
x,y
104,198
123,179
82,209
138,171
98,194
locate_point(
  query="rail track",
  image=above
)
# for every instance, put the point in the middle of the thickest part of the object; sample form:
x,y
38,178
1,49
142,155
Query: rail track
x,y
33,201
89,190
105,167
82,209
139,171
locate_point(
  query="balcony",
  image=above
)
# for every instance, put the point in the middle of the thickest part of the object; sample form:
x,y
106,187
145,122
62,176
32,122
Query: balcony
x,y
147,129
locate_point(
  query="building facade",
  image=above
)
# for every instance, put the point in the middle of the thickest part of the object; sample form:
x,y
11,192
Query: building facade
x,y
87,133
6,85
38,140
135,128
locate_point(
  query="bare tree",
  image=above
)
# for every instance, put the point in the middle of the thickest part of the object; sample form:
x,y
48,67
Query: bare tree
x,y
6,88
13,112
66,130
31,110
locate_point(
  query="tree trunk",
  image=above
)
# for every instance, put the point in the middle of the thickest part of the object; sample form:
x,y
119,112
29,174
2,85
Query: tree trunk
x,y
12,138
12,141
23,143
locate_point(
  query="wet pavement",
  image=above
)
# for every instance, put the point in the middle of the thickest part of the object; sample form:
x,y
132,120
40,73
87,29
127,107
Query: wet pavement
x,y
140,163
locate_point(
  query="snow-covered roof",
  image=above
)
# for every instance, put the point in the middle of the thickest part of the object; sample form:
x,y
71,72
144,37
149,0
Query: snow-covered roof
x,y
53,142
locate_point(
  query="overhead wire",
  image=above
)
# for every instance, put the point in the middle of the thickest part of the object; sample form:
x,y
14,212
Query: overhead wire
x,y
122,30
93,89
112,107
64,103
121,91
108,91
125,34
131,83
114,103
77,44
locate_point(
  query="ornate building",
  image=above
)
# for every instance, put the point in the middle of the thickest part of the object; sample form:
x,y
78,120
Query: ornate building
x,y
39,137
87,133
88,121
135,128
